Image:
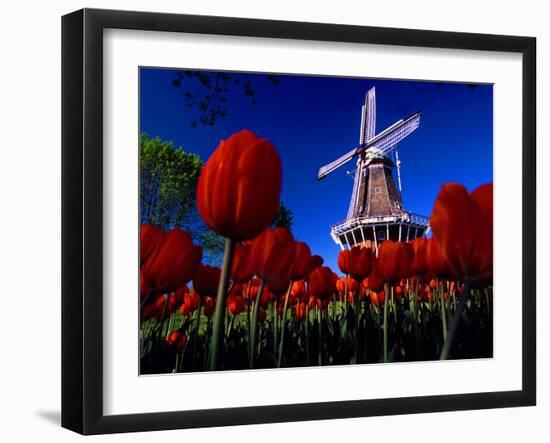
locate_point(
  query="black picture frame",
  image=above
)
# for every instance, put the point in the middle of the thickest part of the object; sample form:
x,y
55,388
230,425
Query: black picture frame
x,y
82,220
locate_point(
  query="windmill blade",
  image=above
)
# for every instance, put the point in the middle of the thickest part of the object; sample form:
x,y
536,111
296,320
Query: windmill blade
x,y
327,169
370,115
386,141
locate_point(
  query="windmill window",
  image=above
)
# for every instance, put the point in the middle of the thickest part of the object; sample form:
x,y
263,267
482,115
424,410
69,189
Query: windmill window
x,y
378,190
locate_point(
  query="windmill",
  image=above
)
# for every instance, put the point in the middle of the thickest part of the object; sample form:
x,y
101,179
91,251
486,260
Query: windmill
x,y
376,210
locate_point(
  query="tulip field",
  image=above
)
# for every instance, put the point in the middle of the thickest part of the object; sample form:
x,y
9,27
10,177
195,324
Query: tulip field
x,y
273,303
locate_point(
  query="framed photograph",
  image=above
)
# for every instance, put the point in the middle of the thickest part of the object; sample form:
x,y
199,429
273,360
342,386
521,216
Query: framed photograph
x,y
268,221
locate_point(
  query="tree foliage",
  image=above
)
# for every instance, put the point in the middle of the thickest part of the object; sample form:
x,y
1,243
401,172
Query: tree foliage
x,y
284,217
168,188
208,92
168,180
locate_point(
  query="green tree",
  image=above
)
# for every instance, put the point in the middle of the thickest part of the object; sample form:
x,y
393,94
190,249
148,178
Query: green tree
x,y
284,217
168,187
168,180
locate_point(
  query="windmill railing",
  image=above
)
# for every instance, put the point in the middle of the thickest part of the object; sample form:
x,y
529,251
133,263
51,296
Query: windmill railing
x,y
392,217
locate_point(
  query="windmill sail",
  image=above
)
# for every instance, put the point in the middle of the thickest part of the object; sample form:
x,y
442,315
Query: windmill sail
x,y
327,169
368,129
384,142
368,124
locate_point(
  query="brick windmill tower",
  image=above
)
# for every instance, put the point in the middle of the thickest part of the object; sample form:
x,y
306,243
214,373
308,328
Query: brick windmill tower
x,y
376,210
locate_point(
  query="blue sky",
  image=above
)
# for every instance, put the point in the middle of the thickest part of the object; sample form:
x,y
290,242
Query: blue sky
x,y
313,120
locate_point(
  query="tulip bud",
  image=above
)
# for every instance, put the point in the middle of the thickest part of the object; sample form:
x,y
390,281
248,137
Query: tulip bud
x,y
176,341
239,187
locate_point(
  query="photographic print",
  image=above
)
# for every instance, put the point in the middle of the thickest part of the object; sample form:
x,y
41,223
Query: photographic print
x,y
297,220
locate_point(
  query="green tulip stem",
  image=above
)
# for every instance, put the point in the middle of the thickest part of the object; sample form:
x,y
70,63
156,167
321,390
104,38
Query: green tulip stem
x,y
346,289
219,314
393,305
320,353
206,338
248,309
443,310
196,332
275,327
257,302
283,327
411,295
377,309
170,325
357,314
230,326
159,332
386,324
307,333
455,320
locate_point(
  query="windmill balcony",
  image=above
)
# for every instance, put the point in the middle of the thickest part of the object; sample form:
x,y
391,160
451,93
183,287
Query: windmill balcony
x,y
372,229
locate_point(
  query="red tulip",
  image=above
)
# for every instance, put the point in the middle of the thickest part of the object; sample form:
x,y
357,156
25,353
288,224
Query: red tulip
x,y
272,254
190,304
153,309
239,187
180,294
279,287
266,296
255,287
420,261
173,264
364,287
398,293
322,303
241,269
316,261
292,299
377,298
261,315
428,294
176,340
299,290
462,225
300,311
171,304
150,239
344,261
375,281
436,264
144,289
322,282
394,261
360,262
147,313
304,263
237,289
206,280
353,285
235,304
209,306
